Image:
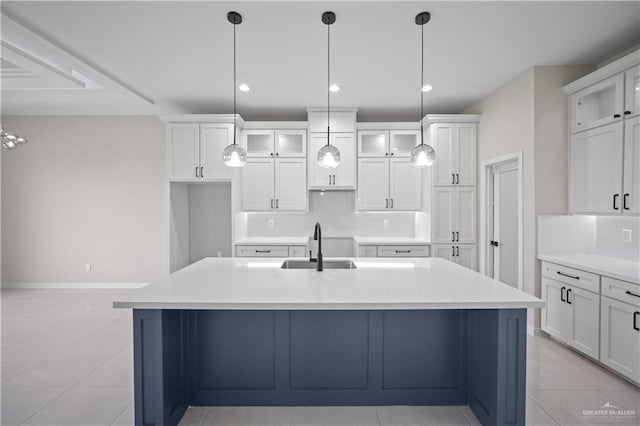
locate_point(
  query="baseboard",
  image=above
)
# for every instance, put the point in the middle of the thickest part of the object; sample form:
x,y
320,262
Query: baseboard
x,y
71,285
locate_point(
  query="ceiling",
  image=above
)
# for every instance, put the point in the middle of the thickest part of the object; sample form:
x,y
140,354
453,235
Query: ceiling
x,y
175,57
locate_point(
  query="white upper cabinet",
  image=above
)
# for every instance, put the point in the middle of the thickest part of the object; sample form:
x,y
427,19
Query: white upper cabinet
x,y
291,184
454,215
631,185
455,146
373,143
463,254
401,142
595,175
184,150
341,177
195,151
632,91
258,185
373,184
341,121
274,184
258,143
213,139
290,143
598,104
405,185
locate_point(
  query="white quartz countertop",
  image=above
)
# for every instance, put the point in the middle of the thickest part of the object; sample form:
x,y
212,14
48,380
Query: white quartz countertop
x,y
259,283
390,241
602,265
269,241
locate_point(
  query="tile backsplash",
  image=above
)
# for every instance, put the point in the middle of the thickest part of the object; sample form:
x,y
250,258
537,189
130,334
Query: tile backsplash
x,y
335,210
609,237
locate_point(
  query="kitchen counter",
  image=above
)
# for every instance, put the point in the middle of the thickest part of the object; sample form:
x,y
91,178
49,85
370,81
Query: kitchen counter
x,y
226,283
401,331
602,265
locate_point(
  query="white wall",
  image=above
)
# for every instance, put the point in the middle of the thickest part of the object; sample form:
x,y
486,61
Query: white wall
x,y
529,114
85,189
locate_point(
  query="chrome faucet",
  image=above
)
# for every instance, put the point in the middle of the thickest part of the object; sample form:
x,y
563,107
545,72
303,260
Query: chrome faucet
x,y
317,236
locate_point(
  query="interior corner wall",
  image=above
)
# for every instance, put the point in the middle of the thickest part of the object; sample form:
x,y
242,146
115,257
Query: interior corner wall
x,y
85,190
507,126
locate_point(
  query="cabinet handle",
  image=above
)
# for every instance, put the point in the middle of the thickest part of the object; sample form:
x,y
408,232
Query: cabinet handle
x,y
615,198
263,251
636,314
329,179
392,154
272,203
277,154
616,115
453,236
627,113
386,154
630,293
625,197
568,299
197,171
457,178
403,251
457,236
334,179
392,203
271,154
575,277
562,293
277,203
453,251
202,171
386,205
453,178
457,251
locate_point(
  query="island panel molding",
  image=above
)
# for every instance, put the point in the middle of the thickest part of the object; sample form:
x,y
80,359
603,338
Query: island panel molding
x,y
345,357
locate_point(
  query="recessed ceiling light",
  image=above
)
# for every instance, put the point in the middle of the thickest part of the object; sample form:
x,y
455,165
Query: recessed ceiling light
x,y
244,87
334,88
426,88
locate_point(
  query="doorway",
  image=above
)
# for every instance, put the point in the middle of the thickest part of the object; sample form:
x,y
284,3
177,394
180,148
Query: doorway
x,y
501,241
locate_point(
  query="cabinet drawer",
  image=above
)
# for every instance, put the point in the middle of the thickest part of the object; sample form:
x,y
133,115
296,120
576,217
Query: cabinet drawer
x,y
367,251
298,251
623,291
574,277
262,251
403,251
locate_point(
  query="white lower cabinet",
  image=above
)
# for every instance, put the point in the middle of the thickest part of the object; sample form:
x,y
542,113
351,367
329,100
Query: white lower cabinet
x,y
462,254
571,315
271,251
416,250
620,336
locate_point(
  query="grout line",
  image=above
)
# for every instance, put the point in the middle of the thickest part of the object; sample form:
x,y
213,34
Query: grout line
x,y
378,415
541,407
122,412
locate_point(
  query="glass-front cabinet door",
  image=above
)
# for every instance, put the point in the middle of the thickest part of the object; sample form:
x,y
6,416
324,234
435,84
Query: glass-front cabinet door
x,y
258,143
401,142
598,104
291,143
373,143
632,91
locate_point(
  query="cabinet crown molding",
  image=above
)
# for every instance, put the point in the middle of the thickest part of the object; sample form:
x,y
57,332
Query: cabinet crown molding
x,y
276,125
622,64
410,125
451,118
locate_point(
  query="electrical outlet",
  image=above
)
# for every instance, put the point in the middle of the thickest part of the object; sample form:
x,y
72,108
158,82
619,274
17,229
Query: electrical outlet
x,y
270,224
385,223
626,235
87,267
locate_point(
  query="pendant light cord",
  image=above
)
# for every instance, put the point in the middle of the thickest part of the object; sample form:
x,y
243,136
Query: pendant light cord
x,y
234,84
328,81
421,83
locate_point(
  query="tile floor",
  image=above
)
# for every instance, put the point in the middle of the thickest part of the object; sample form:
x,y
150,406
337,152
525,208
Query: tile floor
x,y
66,360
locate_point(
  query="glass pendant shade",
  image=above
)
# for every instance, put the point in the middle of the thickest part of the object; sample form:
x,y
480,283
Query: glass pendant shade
x,y
234,156
329,157
423,155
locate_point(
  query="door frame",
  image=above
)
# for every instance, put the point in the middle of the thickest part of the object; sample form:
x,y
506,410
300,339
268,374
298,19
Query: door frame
x,y
486,217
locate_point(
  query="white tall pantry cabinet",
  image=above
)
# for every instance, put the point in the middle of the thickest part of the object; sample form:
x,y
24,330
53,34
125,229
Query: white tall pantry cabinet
x,y
454,205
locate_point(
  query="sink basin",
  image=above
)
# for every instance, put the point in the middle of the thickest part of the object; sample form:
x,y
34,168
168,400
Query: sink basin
x,y
327,264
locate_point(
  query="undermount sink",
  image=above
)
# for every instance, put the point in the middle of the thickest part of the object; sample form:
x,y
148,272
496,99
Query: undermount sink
x,y
327,264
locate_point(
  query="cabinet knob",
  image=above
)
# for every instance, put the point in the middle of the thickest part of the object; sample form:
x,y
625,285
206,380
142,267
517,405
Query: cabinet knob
x,y
271,154
627,112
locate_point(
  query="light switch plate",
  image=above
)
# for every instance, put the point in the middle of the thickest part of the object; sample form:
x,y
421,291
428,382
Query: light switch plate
x,y
626,235
270,223
385,223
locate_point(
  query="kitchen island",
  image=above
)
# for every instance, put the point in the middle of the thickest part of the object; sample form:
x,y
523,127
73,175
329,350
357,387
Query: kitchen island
x,y
390,332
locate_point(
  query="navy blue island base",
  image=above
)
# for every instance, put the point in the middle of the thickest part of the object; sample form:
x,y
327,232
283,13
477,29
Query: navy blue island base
x,y
469,357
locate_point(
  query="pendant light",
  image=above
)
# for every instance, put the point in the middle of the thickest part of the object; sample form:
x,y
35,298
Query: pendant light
x,y
234,155
328,155
422,155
